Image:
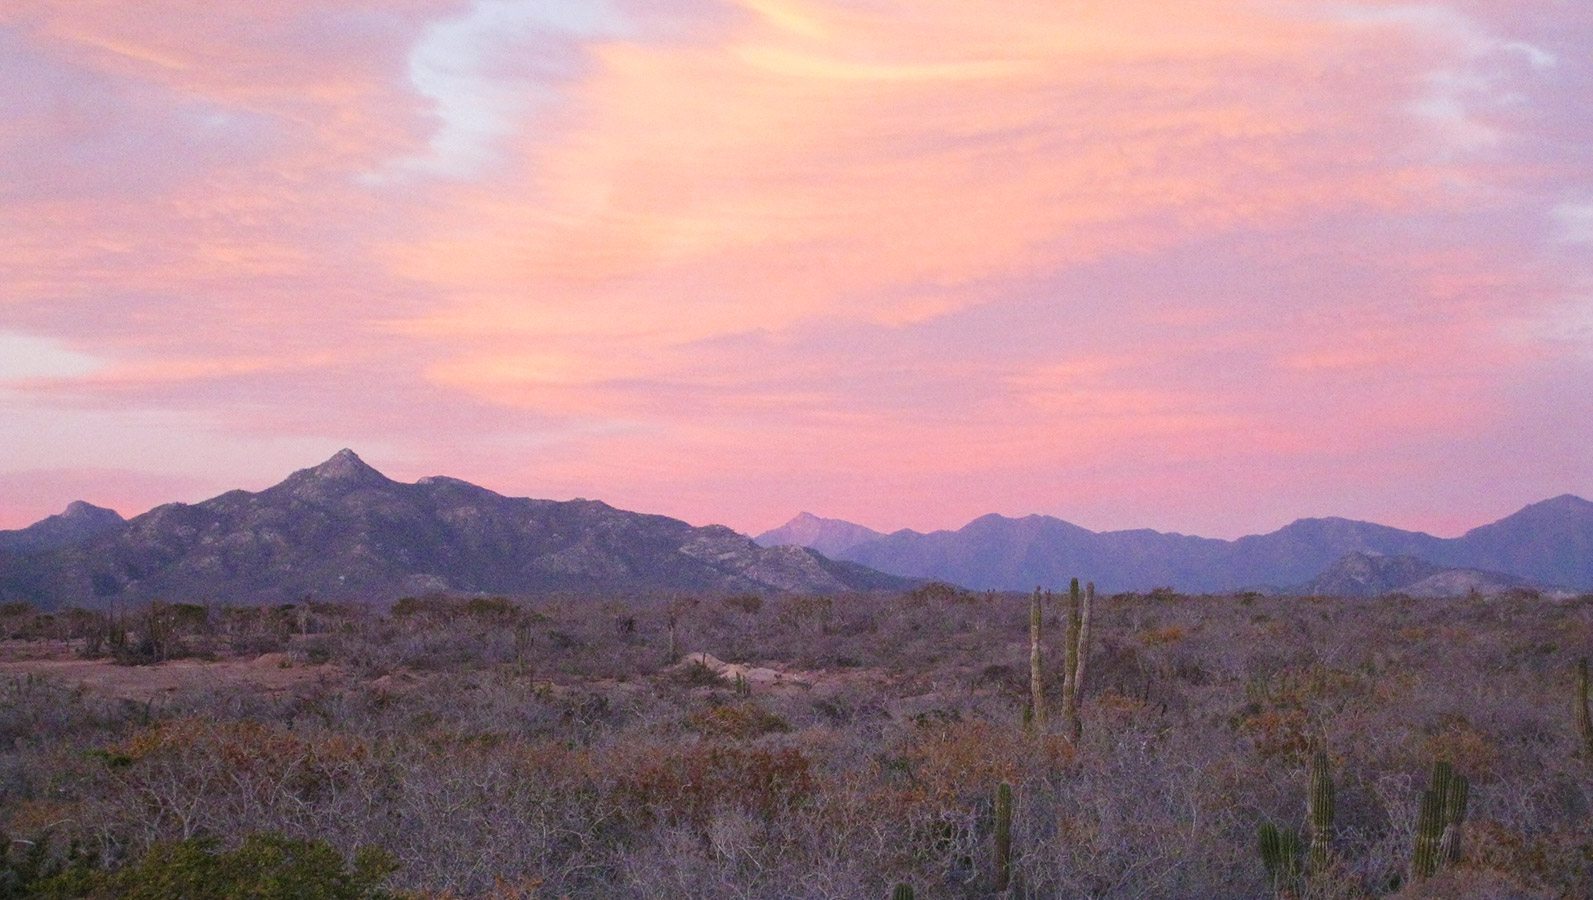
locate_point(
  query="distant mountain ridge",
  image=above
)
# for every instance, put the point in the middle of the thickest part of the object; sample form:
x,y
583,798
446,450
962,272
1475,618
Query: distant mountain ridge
x,y
343,530
1549,543
828,536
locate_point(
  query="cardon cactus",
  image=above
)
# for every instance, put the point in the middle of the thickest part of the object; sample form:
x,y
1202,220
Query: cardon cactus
x,y
1003,835
902,891
1579,708
1319,811
1439,822
1455,801
1076,658
1036,673
1280,853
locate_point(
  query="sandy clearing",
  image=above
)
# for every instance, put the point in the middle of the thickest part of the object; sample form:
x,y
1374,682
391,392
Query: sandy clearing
x,y
265,673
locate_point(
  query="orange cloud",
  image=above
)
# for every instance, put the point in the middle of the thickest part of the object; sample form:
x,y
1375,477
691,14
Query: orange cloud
x,y
904,262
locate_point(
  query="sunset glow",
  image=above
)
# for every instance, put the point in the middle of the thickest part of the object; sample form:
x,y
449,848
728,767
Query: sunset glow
x,y
1200,267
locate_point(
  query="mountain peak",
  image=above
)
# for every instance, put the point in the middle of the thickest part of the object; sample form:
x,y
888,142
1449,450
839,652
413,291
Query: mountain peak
x,y
82,510
1564,502
343,470
78,524
345,464
828,536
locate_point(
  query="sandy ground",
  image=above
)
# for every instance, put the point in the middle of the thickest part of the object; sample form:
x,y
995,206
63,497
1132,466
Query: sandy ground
x,y
269,672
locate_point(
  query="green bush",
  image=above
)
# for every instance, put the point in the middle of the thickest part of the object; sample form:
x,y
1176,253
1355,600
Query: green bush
x,y
264,867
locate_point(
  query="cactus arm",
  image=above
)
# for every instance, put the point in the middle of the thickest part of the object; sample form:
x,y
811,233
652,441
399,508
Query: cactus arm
x,y
1003,836
1036,673
1319,806
1083,649
1070,659
1429,834
1584,719
1454,819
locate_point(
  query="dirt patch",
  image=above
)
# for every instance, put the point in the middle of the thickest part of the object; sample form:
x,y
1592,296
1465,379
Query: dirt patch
x,y
268,672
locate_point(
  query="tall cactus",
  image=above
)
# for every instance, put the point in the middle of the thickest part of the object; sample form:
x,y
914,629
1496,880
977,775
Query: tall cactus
x,y
1036,673
1455,801
1083,647
903,891
1280,853
1439,821
1584,719
1067,645
1003,836
1077,654
1319,805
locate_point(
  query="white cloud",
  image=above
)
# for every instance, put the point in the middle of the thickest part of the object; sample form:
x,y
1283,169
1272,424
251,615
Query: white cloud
x,y
1475,78
24,356
487,70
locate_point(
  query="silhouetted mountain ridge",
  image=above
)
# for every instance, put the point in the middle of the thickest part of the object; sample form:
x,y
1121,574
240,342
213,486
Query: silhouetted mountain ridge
x,y
344,530
1548,543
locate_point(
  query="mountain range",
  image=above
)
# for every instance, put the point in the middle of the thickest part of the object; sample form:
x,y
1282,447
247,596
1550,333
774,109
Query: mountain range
x,y
343,530
1547,544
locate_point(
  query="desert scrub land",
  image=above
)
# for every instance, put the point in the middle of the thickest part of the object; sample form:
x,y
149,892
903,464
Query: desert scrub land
x,y
796,747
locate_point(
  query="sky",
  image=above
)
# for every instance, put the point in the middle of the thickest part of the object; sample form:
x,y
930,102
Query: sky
x,y
1204,267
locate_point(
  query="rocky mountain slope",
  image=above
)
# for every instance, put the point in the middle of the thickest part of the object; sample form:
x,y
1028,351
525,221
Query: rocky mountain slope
x,y
344,530
79,523
1549,543
828,536
1369,575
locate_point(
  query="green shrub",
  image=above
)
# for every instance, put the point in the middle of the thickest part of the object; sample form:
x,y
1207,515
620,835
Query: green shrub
x,y
264,867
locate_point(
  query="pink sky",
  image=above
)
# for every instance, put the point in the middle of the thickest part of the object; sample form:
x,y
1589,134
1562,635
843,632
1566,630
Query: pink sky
x,y
1202,267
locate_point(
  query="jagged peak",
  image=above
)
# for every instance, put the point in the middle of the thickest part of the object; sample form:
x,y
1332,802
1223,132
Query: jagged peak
x,y
82,509
344,467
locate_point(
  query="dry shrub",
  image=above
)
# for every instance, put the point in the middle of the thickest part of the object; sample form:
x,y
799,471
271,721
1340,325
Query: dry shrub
x,y
739,721
1114,712
954,758
1559,863
1172,634
749,604
1278,733
1464,746
686,784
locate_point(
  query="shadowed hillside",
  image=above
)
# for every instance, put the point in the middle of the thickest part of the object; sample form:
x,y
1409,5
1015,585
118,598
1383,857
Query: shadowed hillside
x,y
344,530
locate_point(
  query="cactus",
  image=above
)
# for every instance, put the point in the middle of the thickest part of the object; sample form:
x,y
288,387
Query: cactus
x,y
742,687
1082,650
1319,812
1069,647
1036,675
902,891
1077,655
1003,835
1280,853
1455,800
1439,822
1584,719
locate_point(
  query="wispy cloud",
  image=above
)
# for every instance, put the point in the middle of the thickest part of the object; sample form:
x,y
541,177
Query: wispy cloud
x,y
903,262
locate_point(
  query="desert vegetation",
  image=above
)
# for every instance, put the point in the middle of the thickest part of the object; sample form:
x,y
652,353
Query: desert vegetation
x,y
864,746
